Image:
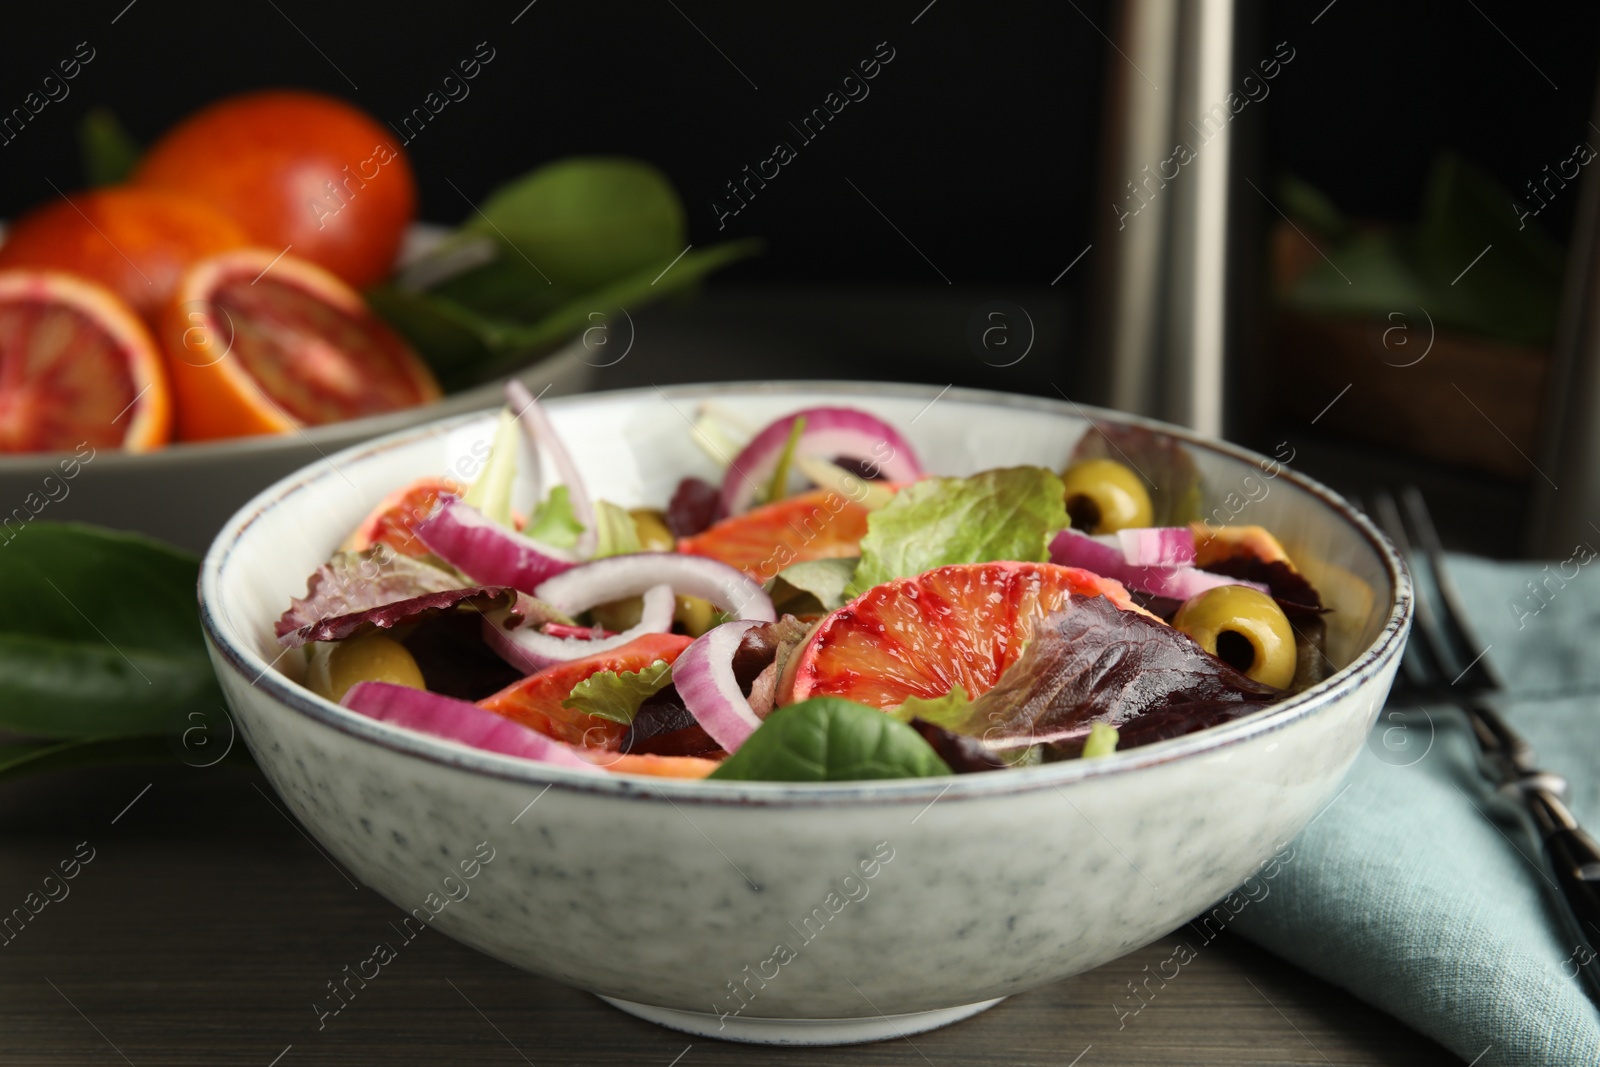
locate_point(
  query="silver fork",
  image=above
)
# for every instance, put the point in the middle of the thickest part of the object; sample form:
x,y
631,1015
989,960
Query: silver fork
x,y
1438,669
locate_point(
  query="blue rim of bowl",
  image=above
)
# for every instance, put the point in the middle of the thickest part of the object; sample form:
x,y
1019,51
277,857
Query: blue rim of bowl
x,y
258,673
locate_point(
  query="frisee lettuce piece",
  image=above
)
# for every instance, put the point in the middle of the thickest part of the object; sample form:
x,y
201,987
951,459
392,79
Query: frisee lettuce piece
x,y
950,711
778,487
491,493
1005,514
617,696
618,534
1102,740
553,521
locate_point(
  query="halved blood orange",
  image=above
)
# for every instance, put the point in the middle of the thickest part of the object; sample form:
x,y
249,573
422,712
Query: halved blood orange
x,y
921,637
77,367
819,524
261,342
135,242
535,701
394,521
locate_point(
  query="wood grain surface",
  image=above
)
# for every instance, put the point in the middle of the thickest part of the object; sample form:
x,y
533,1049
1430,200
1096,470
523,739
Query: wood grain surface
x,y
207,922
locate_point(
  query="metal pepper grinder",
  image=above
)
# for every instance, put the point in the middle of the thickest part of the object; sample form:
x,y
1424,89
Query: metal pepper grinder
x,y
1161,303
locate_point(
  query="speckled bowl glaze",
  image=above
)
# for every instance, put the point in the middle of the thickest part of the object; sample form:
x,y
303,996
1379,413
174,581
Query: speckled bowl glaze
x,y
797,913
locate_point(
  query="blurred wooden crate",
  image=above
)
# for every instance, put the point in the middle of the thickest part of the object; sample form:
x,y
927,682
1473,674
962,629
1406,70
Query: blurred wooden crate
x,y
1467,401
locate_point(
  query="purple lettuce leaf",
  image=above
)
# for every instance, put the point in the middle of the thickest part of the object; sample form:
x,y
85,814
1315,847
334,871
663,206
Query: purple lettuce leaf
x,y
965,755
351,582
477,599
1095,662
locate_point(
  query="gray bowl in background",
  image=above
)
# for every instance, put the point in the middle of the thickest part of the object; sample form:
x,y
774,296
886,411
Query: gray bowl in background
x,y
183,493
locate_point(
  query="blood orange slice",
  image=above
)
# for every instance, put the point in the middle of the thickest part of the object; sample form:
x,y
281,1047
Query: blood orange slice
x,y
535,701
820,524
921,637
394,521
260,342
661,766
76,367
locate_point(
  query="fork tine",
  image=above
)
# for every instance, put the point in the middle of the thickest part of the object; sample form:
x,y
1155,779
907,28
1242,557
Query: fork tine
x,y
1420,662
1481,674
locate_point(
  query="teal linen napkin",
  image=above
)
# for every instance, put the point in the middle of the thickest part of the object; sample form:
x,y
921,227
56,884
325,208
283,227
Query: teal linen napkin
x,y
1414,891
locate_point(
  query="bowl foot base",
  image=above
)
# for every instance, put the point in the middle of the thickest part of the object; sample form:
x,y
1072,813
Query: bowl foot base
x,y
801,1031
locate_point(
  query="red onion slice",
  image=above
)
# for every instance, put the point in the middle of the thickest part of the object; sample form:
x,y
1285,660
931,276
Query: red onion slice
x,y
703,675
1073,549
487,552
1157,546
829,432
456,720
604,580
543,433
530,650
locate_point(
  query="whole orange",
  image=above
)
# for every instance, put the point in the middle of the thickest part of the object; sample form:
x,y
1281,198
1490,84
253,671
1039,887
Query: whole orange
x,y
295,169
135,242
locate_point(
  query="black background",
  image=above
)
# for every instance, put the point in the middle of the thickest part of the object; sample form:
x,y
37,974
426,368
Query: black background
x,y
977,141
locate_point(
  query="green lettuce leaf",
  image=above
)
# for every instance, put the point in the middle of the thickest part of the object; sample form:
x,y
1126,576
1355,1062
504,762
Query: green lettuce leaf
x,y
1005,514
950,711
1102,740
617,533
825,580
491,493
826,739
553,521
614,696
778,487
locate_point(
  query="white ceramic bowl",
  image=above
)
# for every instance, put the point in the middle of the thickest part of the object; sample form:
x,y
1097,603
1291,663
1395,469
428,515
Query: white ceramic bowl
x,y
780,912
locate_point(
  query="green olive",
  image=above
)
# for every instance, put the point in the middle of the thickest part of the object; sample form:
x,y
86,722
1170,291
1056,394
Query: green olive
x,y
696,616
653,533
1103,496
618,615
374,657
1245,628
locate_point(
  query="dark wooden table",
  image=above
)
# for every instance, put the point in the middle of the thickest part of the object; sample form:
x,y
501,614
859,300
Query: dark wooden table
x,y
207,922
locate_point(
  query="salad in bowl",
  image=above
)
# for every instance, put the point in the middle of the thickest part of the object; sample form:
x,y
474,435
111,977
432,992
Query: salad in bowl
x,y
702,666
831,609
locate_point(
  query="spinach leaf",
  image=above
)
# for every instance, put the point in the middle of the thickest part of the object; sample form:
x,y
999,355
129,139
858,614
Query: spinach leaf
x,y
36,757
826,739
101,635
